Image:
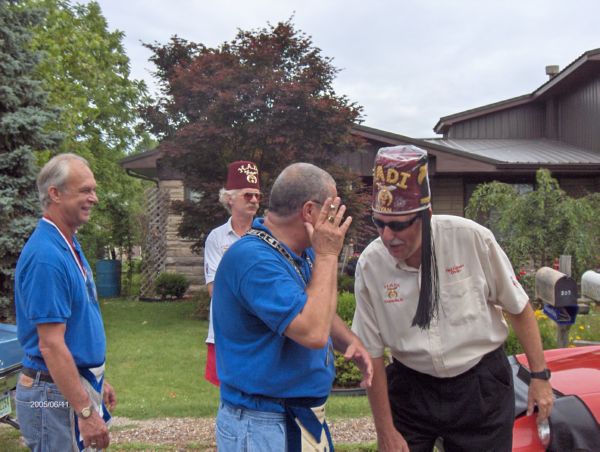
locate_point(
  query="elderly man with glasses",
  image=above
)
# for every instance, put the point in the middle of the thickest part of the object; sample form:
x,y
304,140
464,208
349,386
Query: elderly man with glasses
x,y
241,198
434,290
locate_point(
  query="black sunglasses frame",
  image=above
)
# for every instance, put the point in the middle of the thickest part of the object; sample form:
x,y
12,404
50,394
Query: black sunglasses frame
x,y
395,226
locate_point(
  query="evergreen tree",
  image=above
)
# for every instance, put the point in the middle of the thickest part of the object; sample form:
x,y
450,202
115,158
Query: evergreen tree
x,y
23,117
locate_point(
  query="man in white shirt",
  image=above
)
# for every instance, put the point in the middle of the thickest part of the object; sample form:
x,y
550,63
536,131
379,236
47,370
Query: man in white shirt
x,y
241,198
433,289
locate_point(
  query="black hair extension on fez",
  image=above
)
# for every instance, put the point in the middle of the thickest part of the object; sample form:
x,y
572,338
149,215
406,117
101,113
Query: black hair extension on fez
x,y
429,294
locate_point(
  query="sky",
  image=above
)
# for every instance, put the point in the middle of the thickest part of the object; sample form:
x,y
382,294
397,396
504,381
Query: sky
x,y
407,62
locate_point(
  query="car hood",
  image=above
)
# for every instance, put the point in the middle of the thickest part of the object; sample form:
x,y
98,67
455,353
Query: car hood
x,y
575,371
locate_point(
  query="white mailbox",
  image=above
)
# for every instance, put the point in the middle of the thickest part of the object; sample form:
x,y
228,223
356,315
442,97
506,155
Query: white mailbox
x,y
590,285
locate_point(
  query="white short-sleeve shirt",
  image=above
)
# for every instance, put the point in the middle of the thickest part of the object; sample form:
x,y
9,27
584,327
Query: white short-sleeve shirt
x,y
218,241
476,282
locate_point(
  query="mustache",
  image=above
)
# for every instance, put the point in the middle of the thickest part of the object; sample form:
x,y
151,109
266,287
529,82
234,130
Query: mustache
x,y
396,241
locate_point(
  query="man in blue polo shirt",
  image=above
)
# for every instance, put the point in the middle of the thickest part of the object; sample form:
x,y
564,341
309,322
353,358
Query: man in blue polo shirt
x,y
61,389
275,319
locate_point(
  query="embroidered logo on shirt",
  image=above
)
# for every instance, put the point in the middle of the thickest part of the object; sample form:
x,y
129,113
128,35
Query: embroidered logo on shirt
x,y
456,269
392,293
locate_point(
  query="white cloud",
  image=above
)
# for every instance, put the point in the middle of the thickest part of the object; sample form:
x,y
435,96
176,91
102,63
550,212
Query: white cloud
x,y
407,62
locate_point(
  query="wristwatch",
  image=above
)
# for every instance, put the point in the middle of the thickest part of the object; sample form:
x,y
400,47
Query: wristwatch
x,y
85,412
543,375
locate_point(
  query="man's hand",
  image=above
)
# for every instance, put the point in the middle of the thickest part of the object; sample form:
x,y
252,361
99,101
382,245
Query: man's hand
x,y
359,355
94,431
393,441
109,396
327,235
540,394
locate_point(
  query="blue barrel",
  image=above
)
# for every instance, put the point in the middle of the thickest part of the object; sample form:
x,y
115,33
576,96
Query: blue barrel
x,y
108,278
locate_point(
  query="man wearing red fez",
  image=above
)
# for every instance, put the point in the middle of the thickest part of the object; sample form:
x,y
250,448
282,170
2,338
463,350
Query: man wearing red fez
x,y
240,197
435,290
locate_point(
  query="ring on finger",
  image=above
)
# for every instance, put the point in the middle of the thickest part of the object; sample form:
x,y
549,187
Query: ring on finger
x,y
330,218
332,207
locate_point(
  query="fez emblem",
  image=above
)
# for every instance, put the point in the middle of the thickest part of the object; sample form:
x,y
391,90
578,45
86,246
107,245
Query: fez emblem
x,y
251,171
385,197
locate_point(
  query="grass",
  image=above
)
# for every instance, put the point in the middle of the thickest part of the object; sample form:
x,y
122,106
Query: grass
x,y
155,359
587,327
10,440
155,362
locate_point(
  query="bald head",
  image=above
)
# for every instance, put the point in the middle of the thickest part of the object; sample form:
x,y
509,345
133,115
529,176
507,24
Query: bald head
x,y
297,184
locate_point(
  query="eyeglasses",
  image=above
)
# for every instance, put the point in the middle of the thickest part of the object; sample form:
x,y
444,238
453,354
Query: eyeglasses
x,y
248,196
395,226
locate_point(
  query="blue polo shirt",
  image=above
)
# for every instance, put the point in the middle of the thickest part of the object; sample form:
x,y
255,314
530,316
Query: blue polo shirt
x,y
257,293
50,288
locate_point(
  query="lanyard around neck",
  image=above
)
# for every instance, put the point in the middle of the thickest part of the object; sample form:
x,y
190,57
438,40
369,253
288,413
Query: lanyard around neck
x,y
274,243
79,264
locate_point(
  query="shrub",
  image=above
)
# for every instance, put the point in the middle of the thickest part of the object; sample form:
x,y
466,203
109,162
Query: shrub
x,y
547,328
346,306
171,285
347,374
351,265
345,283
527,280
202,300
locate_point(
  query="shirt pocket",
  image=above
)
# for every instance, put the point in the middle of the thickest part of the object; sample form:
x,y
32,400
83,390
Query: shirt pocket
x,y
459,302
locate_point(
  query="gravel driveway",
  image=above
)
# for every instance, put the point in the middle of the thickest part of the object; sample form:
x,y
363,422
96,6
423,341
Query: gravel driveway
x,y
180,433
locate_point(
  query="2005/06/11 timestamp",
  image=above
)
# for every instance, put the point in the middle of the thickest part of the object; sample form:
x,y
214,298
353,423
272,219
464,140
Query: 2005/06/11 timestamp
x,y
49,404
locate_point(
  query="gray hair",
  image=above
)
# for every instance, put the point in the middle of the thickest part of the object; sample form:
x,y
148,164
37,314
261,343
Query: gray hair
x,y
55,173
298,183
227,195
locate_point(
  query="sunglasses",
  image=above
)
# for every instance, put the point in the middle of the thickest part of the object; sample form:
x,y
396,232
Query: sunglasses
x,y
395,226
248,196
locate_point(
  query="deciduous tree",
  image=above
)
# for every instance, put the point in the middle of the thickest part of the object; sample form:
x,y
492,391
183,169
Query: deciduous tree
x,y
536,227
86,71
265,96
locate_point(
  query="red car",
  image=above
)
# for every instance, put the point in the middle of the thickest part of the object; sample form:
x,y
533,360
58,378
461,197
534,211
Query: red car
x,y
574,422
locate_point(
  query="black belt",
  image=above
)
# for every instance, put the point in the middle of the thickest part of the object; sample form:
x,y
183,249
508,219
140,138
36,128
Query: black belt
x,y
33,373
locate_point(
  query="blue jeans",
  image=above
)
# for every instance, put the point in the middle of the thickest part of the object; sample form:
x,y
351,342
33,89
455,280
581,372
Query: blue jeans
x,y
241,430
44,416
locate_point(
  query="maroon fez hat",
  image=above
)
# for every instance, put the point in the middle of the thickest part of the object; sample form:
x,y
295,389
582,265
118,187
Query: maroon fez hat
x,y
400,180
242,174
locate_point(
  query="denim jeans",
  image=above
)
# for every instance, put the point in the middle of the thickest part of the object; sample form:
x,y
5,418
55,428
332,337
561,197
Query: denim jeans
x,y
44,416
241,430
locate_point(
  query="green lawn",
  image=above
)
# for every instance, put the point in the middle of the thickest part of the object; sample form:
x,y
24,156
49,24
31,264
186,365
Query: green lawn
x,y
156,358
155,362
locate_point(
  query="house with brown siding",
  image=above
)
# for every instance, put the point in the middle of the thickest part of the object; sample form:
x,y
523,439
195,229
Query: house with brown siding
x,y
556,126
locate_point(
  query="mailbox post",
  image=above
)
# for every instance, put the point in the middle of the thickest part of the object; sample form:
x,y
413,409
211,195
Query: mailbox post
x,y
558,292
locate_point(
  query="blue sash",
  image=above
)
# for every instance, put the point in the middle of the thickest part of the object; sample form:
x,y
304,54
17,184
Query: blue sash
x,y
300,409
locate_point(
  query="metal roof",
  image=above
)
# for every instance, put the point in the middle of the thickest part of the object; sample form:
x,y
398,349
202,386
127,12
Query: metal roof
x,y
538,151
